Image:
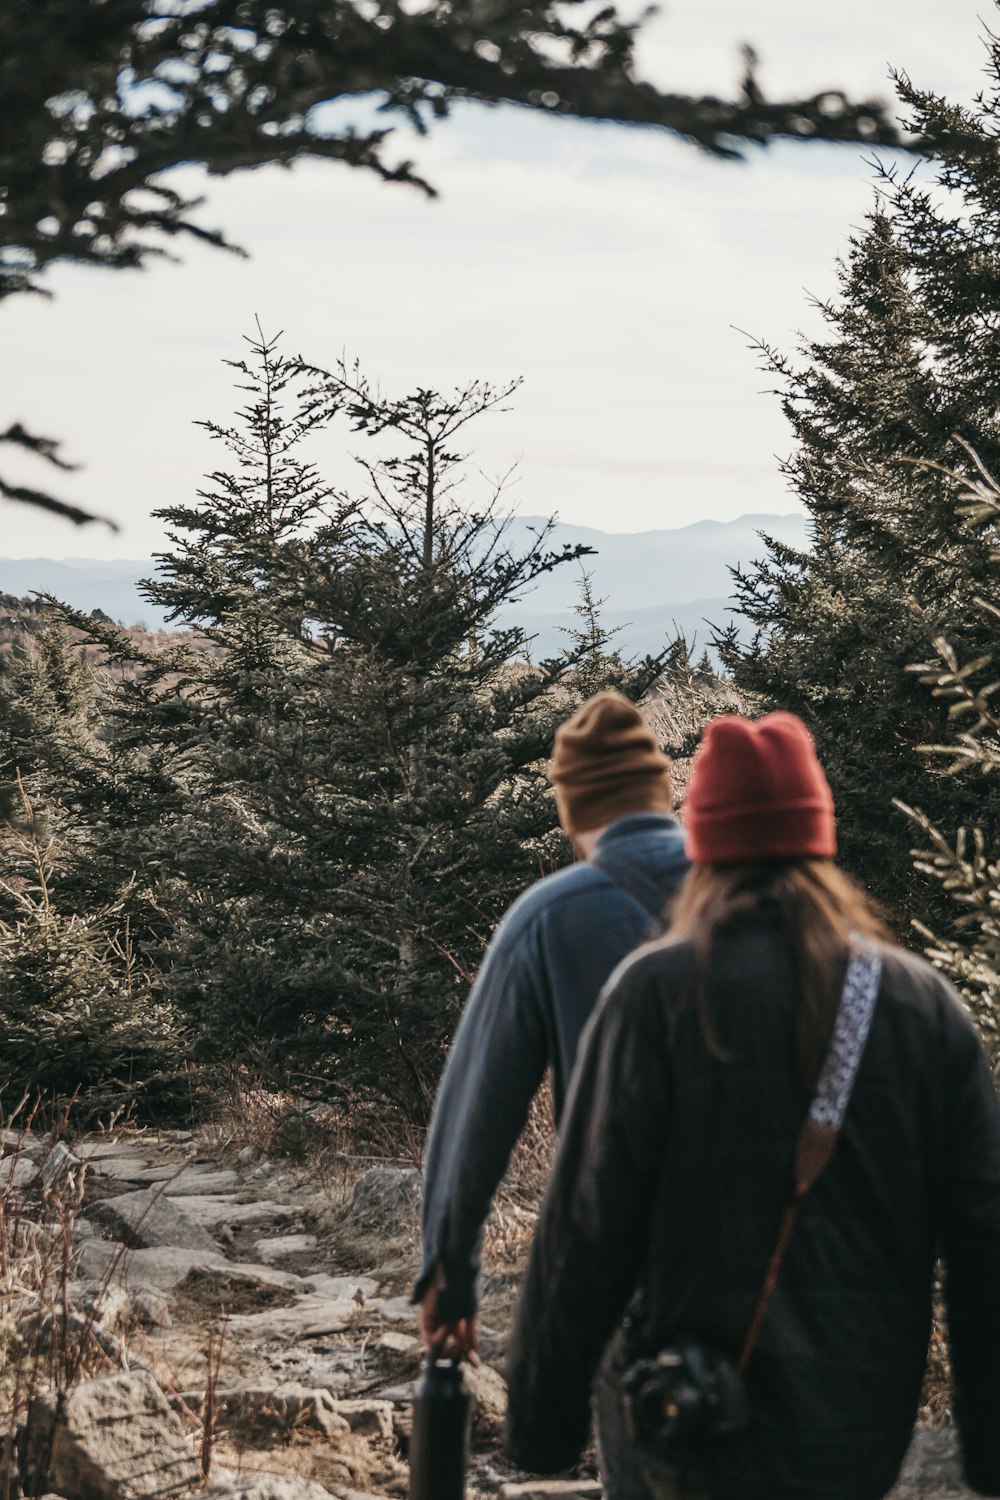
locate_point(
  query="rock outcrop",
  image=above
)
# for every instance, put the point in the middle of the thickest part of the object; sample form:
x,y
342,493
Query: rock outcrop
x,y
114,1438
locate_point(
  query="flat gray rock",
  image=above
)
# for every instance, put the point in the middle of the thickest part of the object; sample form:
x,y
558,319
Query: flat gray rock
x,y
265,1487
310,1317
114,1438
386,1198
396,1310
398,1343
213,1211
164,1174
187,1178
120,1168
348,1288
270,1251
19,1172
164,1267
931,1468
395,1395
147,1220
548,1489
22,1142
198,1180
96,1150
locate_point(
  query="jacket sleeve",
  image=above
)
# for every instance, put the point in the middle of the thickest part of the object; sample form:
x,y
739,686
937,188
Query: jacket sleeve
x,y
972,1254
496,1064
591,1240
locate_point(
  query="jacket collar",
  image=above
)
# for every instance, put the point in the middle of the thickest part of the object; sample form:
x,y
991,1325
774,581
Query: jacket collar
x,y
633,825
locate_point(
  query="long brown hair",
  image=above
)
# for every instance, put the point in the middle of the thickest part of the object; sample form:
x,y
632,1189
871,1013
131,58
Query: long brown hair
x,y
819,908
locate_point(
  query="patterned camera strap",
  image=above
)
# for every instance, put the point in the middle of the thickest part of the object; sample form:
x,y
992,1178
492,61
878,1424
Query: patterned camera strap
x,y
818,1135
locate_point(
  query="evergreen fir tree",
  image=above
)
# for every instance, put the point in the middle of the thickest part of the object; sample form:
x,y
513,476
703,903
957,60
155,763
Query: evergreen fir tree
x,y
965,861
598,662
705,668
350,763
81,1018
70,733
909,360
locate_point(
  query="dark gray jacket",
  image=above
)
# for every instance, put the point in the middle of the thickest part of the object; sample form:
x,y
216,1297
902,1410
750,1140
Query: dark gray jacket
x,y
672,1174
539,981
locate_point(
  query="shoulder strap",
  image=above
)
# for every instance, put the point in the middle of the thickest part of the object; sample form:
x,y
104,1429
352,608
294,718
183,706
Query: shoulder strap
x,y
819,1132
821,1127
635,881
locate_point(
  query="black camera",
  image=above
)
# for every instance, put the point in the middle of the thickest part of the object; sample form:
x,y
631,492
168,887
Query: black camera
x,y
687,1393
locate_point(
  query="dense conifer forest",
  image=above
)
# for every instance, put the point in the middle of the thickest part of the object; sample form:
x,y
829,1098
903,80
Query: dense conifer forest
x,y
883,634
279,839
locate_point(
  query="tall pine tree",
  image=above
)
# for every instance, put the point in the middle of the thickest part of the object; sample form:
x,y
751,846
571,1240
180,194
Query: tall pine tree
x,y
909,359
353,754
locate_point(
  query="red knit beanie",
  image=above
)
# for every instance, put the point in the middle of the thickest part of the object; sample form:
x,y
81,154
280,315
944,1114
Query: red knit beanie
x,y
757,791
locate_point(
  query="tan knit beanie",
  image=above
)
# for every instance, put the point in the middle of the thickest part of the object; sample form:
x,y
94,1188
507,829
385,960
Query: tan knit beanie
x,y
606,763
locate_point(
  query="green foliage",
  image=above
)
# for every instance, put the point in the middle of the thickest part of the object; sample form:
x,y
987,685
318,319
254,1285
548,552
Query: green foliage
x,y
684,698
60,734
302,818
910,357
79,1018
589,641
336,789
966,863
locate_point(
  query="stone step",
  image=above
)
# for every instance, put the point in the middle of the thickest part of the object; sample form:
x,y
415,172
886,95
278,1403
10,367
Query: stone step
x,y
546,1489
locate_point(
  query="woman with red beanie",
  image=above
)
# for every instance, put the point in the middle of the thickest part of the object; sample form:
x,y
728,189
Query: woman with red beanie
x,y
778,1121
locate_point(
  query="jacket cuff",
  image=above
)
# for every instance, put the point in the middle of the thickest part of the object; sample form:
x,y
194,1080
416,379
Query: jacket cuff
x,y
422,1285
456,1296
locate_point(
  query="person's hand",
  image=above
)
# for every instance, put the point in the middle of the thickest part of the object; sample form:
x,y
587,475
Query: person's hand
x,y
458,1339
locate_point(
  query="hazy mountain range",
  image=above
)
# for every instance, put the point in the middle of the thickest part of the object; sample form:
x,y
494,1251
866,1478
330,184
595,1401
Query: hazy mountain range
x,y
651,581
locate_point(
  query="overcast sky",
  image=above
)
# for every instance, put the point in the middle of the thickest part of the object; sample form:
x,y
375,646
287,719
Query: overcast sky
x,y
611,267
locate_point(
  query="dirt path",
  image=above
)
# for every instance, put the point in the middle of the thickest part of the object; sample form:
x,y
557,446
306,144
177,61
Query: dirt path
x,y
272,1310
268,1309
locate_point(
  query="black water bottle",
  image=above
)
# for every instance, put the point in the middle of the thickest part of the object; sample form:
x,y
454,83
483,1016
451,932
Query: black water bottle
x,y
440,1441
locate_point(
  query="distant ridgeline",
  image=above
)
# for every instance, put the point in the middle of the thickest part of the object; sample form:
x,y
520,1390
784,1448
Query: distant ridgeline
x,y
651,582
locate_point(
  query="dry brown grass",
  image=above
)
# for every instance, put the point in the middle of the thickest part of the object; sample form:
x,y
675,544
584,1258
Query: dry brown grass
x,y
511,1225
353,1463
45,1341
335,1144
935,1399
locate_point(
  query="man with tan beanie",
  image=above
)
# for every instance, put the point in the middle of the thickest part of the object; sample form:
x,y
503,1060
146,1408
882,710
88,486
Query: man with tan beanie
x,y
543,971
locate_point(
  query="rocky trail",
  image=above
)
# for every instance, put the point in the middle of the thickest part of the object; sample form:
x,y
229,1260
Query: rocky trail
x,y
253,1334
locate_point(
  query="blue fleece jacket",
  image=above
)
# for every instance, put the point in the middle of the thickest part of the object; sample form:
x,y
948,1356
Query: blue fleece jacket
x,y
539,981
